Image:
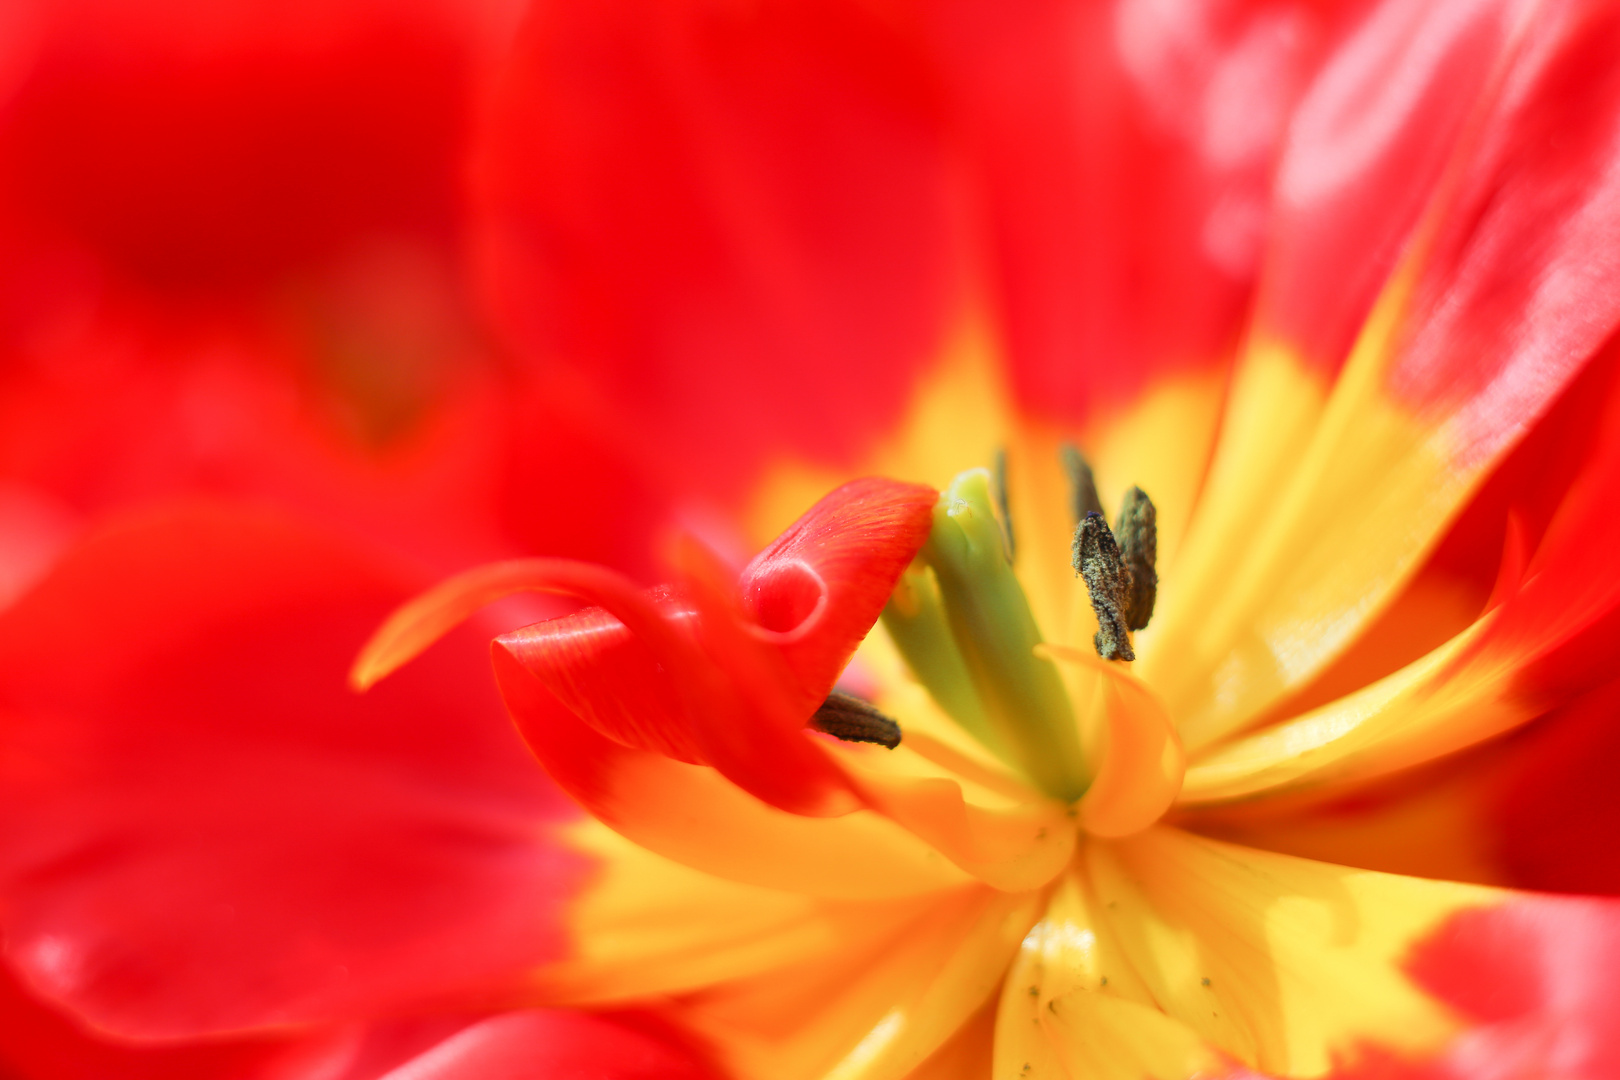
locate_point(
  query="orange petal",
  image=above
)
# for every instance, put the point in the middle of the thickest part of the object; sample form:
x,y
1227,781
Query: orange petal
x,y
1011,844
1141,762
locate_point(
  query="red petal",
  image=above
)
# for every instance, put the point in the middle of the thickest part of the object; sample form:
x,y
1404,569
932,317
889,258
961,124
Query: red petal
x,y
194,153
37,1043
733,221
1516,276
1552,809
211,832
549,1045
1123,153
609,678
820,586
1363,154
735,694
738,708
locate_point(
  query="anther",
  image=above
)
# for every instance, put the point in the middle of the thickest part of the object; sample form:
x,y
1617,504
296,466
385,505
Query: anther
x,y
1095,557
846,717
1082,486
1003,505
1138,534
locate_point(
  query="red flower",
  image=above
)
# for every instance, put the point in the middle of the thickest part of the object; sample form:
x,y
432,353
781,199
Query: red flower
x,y
1333,285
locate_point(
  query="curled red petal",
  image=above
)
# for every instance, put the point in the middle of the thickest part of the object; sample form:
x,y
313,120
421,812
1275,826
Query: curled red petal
x,y
209,832
735,688
820,586
751,711
609,678
738,708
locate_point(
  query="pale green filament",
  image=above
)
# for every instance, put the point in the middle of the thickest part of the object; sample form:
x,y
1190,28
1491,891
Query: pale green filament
x,y
1023,712
915,619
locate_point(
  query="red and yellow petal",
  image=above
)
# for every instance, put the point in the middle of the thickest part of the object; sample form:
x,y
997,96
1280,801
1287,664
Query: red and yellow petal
x,y
643,926
697,817
1473,335
1547,637
1171,956
1119,156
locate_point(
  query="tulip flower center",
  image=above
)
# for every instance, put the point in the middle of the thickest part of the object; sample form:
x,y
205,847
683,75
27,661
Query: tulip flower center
x,y
963,624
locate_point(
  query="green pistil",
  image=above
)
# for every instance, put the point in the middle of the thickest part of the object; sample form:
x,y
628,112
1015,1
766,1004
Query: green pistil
x,y
991,682
915,619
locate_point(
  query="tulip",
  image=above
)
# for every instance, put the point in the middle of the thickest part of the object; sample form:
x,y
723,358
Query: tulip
x,y
991,319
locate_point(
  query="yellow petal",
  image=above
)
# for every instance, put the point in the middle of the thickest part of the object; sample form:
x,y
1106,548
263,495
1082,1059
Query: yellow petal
x,y
869,1010
1287,965
1305,532
1432,707
692,814
647,926
1073,1006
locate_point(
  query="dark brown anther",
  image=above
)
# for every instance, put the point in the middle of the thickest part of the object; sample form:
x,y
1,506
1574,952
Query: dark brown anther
x,y
1095,557
1003,506
1137,532
1082,486
846,717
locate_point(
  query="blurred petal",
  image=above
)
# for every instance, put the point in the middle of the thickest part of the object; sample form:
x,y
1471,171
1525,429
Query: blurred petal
x,y
37,1043
735,221
1530,977
192,147
1550,637
541,1045
1121,153
213,833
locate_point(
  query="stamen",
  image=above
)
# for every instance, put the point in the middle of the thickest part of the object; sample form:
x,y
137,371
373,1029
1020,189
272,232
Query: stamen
x,y
1083,498
1138,534
1003,508
1095,557
846,717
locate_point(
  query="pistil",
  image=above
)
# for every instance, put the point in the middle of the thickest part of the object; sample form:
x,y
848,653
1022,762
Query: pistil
x,y
1023,712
